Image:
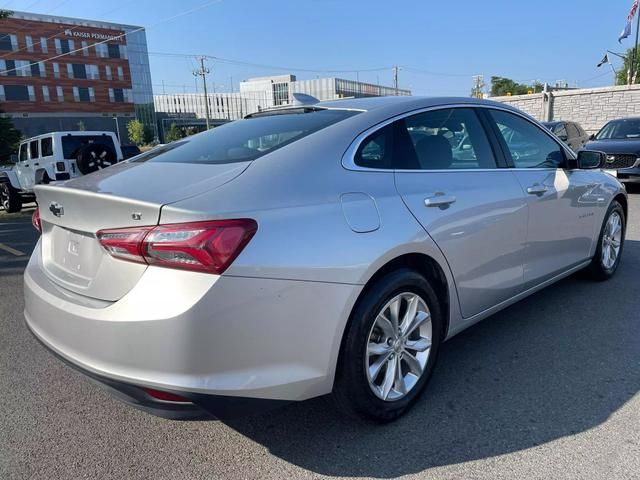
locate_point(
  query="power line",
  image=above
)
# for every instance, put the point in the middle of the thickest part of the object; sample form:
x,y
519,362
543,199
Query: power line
x,y
135,30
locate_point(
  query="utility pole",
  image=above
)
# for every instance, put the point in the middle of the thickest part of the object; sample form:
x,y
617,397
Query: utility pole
x,y
478,85
202,72
395,78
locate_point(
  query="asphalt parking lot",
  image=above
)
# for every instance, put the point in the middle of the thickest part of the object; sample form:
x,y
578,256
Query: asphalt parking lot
x,y
545,389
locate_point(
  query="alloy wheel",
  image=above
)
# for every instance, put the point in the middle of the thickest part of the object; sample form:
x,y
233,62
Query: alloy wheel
x,y
611,240
398,346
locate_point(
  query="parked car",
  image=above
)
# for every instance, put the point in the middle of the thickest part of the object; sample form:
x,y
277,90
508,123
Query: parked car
x,y
129,151
53,157
620,140
216,275
570,133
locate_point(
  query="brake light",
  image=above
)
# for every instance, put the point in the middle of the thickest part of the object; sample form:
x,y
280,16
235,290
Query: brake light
x,y
208,247
35,220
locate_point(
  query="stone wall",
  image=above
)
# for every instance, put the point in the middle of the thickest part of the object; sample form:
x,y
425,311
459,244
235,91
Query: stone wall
x,y
590,107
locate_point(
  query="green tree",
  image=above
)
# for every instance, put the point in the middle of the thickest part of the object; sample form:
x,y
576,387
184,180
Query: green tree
x,y
148,135
135,128
173,133
505,86
622,75
9,138
5,14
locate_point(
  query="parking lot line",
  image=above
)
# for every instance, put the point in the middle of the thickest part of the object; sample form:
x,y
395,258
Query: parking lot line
x,y
11,250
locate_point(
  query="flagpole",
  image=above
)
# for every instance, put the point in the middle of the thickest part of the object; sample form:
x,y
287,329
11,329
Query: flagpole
x,y
635,49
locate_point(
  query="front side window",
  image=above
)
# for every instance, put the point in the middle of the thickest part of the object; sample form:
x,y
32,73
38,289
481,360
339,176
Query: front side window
x,y
528,145
251,138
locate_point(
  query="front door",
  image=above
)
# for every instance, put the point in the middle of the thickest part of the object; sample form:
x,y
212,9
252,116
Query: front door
x,y
474,211
562,203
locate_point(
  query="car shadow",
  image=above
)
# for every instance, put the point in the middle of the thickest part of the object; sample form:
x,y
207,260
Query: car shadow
x,y
558,363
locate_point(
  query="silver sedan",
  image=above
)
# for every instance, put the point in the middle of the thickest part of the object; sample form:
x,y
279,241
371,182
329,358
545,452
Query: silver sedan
x,y
327,248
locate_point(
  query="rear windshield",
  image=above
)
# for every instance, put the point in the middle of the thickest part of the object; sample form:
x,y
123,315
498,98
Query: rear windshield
x,y
71,144
248,139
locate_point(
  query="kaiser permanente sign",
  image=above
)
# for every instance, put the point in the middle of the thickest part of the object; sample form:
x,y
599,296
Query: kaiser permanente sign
x,y
93,35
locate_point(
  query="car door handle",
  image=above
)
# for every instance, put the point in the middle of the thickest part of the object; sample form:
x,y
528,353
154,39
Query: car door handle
x,y
439,200
537,189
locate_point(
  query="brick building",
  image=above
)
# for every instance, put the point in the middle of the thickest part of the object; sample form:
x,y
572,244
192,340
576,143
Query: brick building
x,y
59,73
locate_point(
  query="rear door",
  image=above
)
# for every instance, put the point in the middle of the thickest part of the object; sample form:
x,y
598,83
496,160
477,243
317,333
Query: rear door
x,y
562,202
449,178
23,167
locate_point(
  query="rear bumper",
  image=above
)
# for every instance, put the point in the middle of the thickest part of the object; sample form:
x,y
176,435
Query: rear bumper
x,y
218,341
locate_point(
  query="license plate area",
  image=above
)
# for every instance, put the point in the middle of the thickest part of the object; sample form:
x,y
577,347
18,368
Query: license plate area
x,y
71,256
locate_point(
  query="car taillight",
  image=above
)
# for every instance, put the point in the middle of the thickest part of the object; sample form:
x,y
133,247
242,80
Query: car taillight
x,y
199,246
35,220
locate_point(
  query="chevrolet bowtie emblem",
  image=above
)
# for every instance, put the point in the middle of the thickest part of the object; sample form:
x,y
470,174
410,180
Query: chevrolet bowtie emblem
x,y
56,209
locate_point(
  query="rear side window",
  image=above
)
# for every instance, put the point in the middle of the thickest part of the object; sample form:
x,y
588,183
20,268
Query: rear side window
x,y
249,139
71,144
33,149
572,130
376,150
46,145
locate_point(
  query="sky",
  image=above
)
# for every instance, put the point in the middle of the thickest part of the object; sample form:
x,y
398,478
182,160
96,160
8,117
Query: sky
x,y
438,45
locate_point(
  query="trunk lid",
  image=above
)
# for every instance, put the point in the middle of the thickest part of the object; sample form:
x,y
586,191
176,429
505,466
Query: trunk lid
x,y
125,195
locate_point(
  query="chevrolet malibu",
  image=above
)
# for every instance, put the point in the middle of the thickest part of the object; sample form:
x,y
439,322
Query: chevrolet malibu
x,y
323,248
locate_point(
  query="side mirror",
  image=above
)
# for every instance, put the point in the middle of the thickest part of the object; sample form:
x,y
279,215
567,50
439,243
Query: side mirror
x,y
590,159
13,158
592,136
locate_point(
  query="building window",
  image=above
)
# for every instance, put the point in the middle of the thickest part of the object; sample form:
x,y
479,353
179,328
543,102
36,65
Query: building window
x,y
56,70
83,94
120,73
18,93
85,48
60,94
43,45
101,50
107,71
17,68
45,93
117,95
64,46
38,70
29,41
92,72
8,42
114,50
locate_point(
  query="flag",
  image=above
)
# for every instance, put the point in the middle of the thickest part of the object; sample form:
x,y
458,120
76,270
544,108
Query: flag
x,y
627,28
604,60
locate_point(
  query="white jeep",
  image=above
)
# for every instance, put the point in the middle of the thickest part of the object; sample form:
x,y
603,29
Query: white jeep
x,y
55,157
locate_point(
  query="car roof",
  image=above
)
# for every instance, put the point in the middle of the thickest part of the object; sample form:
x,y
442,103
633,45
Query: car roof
x,y
405,102
75,133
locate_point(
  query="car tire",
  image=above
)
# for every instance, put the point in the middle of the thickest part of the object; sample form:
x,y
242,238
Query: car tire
x,y
355,392
602,266
10,198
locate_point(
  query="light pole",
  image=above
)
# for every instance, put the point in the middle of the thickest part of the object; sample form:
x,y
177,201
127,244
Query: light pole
x,y
115,117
